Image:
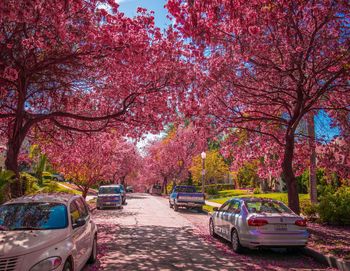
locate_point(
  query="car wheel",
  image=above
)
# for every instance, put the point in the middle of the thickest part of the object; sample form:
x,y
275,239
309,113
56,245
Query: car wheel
x,y
176,208
93,255
55,179
236,245
199,209
67,266
212,228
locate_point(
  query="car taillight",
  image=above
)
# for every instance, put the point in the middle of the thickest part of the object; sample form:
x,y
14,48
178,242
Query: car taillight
x,y
257,222
301,223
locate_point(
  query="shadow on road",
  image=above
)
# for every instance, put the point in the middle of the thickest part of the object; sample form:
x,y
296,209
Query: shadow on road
x,y
170,248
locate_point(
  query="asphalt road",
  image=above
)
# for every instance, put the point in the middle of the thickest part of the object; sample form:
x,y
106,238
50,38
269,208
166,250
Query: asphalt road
x,y
147,235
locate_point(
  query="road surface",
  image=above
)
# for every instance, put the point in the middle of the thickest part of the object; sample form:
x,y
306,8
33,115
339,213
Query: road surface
x,y
147,235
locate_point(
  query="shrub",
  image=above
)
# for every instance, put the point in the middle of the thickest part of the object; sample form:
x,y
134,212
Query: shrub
x,y
309,209
211,190
335,208
257,191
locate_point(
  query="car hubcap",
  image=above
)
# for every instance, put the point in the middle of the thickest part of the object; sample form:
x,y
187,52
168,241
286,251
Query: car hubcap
x,y
234,240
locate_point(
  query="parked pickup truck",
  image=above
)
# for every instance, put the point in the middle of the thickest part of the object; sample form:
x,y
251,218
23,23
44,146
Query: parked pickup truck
x,y
186,196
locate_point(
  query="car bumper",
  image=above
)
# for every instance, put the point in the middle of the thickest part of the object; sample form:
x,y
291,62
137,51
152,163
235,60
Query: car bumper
x,y
107,204
258,239
189,204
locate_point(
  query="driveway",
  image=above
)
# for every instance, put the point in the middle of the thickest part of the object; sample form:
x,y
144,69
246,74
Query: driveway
x,y
147,235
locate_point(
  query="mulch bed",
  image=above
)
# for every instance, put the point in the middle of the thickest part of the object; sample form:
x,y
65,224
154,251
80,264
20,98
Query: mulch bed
x,y
329,239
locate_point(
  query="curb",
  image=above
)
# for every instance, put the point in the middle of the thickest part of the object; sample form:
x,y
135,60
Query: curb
x,y
331,261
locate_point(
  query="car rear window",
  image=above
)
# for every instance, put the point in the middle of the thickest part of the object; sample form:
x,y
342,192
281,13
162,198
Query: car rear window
x,y
33,216
185,189
109,190
266,206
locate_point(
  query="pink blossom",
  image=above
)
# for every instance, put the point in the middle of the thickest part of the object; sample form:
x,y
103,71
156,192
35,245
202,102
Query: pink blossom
x,y
332,69
10,74
254,30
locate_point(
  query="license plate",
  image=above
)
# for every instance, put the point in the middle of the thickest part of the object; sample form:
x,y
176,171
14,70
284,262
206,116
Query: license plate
x,y
281,227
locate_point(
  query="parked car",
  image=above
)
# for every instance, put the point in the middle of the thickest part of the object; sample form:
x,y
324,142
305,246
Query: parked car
x,y
110,196
255,222
155,189
186,196
57,177
129,189
46,232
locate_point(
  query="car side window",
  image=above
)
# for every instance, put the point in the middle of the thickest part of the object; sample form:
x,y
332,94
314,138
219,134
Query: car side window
x,y
84,213
234,206
74,212
225,206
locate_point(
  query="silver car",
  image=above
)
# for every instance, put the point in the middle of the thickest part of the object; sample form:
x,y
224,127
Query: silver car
x,y
255,222
109,196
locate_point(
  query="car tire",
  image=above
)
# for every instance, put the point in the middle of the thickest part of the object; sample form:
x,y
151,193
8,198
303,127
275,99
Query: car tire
x,y
199,209
93,255
176,208
67,266
212,229
55,179
235,243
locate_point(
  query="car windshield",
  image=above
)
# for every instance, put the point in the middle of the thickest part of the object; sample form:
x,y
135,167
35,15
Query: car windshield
x,y
268,206
33,216
185,189
109,190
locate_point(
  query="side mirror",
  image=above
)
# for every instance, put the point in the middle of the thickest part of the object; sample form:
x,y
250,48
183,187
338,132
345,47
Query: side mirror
x,y
80,222
215,209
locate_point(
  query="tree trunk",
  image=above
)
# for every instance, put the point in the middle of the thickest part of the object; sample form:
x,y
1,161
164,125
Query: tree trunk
x,y
312,145
16,138
11,163
288,174
85,192
165,184
122,180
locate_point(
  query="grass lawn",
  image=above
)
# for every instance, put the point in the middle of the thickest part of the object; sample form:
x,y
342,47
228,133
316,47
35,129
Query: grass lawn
x,y
238,193
208,208
50,186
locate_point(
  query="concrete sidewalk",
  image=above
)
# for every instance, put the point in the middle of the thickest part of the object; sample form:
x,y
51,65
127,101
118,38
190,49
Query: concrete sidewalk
x,y
213,204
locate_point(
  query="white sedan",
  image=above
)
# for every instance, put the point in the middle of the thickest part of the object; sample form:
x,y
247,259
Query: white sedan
x,y
254,223
46,232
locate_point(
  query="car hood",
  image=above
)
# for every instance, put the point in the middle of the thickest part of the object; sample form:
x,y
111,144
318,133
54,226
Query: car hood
x,y
16,243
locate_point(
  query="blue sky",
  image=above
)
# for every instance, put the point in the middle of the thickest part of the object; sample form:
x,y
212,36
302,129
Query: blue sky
x,y
129,8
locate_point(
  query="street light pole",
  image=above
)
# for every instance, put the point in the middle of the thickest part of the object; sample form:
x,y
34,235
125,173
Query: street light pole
x,y
203,155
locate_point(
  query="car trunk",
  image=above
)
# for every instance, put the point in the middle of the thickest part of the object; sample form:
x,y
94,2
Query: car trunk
x,y
276,223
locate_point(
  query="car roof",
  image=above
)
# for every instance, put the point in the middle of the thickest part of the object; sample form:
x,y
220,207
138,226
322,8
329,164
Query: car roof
x,y
257,199
45,197
111,185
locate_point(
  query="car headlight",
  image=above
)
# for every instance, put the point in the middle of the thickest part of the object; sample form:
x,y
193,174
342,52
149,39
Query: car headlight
x,y
47,264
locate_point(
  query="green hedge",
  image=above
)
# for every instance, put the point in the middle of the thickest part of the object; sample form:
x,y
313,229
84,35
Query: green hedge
x,y
334,208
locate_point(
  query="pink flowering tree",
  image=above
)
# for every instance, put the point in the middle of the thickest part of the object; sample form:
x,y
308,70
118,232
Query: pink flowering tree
x,y
171,158
90,159
266,66
83,66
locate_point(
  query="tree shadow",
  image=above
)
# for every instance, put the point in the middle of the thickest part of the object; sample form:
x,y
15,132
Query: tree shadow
x,y
180,248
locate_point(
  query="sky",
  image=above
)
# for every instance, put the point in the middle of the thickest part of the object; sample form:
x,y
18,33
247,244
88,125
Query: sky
x,y
129,8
